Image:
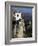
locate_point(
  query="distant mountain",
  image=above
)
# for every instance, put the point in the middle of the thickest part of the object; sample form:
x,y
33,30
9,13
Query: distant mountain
x,y
27,16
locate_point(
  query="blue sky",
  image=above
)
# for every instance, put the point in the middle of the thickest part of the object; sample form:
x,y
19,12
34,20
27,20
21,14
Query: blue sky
x,y
23,9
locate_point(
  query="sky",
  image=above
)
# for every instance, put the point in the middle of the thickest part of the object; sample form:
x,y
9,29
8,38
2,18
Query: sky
x,y
23,9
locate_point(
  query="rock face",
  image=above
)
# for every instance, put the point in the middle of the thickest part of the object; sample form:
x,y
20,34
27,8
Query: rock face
x,y
20,29
19,26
